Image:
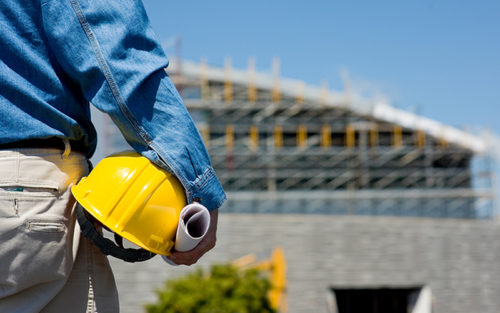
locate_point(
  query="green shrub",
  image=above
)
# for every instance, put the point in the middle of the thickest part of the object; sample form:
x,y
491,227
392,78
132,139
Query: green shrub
x,y
225,289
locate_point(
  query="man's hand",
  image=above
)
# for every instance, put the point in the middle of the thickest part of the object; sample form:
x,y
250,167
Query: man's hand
x,y
206,244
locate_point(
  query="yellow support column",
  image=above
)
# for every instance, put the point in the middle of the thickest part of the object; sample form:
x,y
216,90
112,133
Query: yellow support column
x,y
374,136
278,137
301,136
276,84
420,139
228,83
350,136
397,136
254,138
442,143
252,89
229,137
229,147
326,136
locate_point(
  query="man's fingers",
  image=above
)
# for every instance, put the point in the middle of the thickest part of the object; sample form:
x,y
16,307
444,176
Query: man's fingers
x,y
208,243
192,256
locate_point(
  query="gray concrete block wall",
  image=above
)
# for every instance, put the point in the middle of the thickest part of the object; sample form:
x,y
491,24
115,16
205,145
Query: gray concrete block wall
x,y
457,259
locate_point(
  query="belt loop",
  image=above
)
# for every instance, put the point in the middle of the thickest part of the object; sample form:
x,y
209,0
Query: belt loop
x,y
67,148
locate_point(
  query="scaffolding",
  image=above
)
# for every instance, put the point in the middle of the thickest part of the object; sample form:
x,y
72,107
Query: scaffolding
x,y
280,146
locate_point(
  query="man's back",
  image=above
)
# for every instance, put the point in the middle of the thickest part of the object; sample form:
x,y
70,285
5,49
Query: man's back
x,y
37,98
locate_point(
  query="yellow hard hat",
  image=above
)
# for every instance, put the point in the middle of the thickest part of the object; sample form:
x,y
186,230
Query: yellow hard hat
x,y
133,198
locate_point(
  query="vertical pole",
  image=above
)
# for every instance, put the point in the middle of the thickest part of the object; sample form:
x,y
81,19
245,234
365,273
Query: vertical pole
x,y
229,147
276,85
252,90
229,137
228,83
278,137
420,139
326,136
374,136
442,143
397,136
254,138
350,138
301,136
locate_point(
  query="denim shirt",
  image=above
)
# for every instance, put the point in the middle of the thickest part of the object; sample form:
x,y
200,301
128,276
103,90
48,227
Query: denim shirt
x,y
57,56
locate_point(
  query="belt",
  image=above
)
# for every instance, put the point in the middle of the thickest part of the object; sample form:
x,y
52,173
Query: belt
x,y
46,143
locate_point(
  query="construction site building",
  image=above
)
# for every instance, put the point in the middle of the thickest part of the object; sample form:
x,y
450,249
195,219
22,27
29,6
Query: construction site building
x,y
371,203
281,146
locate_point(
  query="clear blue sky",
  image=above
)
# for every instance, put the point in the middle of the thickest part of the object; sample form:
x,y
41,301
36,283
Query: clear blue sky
x,y
440,59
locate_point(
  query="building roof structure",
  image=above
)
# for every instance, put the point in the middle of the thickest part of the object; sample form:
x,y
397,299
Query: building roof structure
x,y
376,108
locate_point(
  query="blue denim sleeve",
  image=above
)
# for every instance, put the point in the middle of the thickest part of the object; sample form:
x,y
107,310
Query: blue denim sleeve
x,y
108,49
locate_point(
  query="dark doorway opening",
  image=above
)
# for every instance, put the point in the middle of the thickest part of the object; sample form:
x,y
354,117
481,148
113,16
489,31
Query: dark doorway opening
x,y
379,300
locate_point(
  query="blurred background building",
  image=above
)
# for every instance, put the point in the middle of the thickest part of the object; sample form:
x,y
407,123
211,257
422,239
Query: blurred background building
x,y
378,209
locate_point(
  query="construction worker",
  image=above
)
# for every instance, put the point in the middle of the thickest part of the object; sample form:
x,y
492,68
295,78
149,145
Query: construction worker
x,y
56,56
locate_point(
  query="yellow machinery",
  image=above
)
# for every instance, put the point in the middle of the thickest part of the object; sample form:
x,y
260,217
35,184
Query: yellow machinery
x,y
276,266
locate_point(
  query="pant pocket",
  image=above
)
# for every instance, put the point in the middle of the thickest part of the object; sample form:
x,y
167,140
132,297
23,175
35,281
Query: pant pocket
x,y
46,226
35,242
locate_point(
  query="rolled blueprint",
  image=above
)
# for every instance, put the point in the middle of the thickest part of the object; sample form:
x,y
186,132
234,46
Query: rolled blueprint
x,y
194,221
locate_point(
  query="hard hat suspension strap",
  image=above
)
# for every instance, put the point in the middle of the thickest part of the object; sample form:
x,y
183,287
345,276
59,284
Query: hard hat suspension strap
x,y
107,246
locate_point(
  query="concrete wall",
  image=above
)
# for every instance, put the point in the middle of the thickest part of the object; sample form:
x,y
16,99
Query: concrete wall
x,y
457,259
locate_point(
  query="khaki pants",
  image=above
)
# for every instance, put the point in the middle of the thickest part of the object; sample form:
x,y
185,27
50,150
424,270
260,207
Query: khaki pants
x,y
45,265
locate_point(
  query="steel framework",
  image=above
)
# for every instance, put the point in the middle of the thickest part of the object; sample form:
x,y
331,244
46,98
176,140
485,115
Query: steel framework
x,y
284,152
280,146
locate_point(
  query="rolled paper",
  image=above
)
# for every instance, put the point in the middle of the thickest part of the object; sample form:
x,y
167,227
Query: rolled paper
x,y
194,222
